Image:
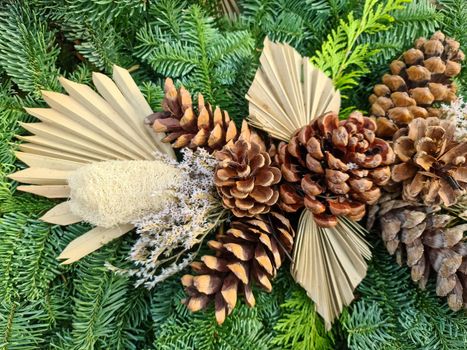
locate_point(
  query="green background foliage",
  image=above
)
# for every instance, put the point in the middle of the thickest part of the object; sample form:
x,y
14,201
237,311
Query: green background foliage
x,y
44,305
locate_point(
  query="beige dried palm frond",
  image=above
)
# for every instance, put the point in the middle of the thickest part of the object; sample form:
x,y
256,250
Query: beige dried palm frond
x,y
329,263
288,92
230,8
78,129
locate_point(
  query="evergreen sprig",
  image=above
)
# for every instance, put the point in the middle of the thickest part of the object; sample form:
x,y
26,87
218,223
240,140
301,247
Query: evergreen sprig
x,y
28,50
341,56
186,45
394,314
300,326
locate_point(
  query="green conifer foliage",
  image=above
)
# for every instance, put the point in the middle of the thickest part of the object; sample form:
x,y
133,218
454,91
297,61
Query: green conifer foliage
x,y
45,305
394,314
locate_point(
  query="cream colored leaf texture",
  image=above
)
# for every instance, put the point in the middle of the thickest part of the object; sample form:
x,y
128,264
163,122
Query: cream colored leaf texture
x,y
287,93
82,128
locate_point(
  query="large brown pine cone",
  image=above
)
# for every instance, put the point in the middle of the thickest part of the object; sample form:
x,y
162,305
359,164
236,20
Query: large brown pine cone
x,y
333,168
433,165
245,178
429,242
251,251
419,79
189,127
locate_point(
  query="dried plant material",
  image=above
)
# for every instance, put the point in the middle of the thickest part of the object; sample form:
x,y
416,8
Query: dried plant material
x,y
456,113
249,252
244,176
81,128
111,193
334,168
430,242
167,235
329,263
230,9
288,92
191,126
61,214
433,165
287,95
91,241
421,77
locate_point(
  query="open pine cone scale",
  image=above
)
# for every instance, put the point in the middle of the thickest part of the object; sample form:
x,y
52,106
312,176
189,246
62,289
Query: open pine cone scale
x,y
433,165
189,127
333,168
249,252
245,178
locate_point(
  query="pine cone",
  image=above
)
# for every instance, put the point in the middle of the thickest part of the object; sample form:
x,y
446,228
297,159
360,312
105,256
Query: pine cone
x,y
433,165
333,168
245,178
251,251
421,77
187,127
429,242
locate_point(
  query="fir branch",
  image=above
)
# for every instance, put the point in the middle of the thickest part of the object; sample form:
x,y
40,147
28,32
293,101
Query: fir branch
x,y
454,13
418,18
99,295
35,260
10,236
246,328
393,313
107,11
28,52
341,57
23,326
188,47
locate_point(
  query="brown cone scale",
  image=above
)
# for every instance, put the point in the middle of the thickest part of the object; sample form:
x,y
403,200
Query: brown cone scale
x,y
433,166
191,126
333,168
419,79
245,178
429,242
249,252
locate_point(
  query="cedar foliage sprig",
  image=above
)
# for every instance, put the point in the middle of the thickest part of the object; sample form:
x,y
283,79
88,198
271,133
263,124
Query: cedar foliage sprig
x,y
340,56
300,326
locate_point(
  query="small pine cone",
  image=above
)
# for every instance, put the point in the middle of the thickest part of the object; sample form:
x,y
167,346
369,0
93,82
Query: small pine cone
x,y
429,242
251,251
244,176
421,77
191,127
333,168
433,166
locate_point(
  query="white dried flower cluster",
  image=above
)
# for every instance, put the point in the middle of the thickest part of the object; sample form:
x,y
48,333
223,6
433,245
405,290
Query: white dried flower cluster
x,y
352,166
457,113
167,235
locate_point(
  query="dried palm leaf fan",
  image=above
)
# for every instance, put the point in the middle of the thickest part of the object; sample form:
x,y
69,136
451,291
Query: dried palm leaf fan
x,y
287,94
84,144
230,9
